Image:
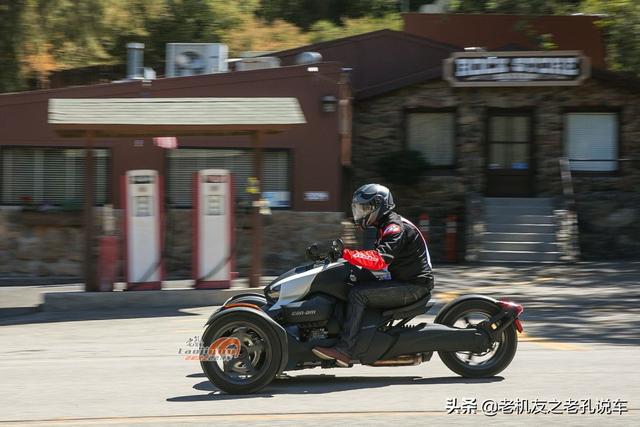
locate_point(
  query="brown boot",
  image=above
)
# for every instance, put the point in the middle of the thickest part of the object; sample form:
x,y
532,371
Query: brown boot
x,y
331,353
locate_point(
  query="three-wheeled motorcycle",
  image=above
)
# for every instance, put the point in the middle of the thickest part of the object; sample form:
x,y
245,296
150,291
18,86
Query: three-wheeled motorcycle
x,y
253,337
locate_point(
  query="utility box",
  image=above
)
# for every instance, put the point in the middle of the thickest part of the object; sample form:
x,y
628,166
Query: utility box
x,y
143,234
213,240
192,59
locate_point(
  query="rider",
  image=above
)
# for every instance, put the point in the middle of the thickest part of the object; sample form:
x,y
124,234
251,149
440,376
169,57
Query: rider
x,y
400,248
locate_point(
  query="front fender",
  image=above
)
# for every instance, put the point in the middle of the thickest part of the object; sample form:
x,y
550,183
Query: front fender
x,y
280,332
247,298
444,310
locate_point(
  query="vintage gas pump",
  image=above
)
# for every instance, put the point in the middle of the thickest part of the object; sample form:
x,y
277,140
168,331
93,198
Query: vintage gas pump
x,y
143,218
213,258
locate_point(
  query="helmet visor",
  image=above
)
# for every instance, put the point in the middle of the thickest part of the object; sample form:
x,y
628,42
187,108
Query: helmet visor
x,y
360,211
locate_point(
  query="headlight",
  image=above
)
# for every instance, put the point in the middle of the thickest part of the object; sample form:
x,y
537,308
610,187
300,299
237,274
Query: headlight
x,y
272,292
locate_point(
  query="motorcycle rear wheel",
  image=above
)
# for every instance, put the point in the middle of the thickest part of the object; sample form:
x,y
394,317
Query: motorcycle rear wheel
x,y
478,365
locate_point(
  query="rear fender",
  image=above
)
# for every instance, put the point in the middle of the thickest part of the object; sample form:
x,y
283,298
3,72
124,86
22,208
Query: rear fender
x,y
249,311
508,310
444,310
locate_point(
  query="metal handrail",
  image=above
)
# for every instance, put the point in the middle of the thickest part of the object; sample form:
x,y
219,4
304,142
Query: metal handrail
x,y
600,160
567,183
570,220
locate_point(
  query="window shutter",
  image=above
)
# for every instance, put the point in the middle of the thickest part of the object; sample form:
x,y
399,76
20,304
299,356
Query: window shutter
x,y
276,167
184,162
433,135
592,136
18,175
51,175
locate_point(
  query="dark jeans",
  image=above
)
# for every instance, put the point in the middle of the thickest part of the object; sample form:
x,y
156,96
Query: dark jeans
x,y
383,295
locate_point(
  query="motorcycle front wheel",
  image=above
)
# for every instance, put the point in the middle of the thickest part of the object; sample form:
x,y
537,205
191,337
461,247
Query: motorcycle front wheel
x,y
477,365
248,353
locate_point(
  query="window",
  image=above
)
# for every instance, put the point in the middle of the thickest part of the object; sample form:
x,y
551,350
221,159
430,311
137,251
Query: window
x,y
591,141
51,176
184,162
509,142
432,134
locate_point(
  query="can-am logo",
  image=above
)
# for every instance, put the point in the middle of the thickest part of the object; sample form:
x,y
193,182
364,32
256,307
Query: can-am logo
x,y
561,68
303,312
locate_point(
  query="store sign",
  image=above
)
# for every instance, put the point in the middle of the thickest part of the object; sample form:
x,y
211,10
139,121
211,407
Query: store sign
x,y
277,199
476,69
316,196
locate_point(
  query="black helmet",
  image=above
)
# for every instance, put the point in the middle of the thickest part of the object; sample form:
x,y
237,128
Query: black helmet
x,y
370,203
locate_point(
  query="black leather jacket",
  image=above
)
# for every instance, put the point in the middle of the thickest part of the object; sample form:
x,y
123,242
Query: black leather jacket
x,y
403,248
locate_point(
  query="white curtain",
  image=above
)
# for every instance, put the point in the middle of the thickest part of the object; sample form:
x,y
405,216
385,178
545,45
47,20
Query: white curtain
x,y
433,135
592,136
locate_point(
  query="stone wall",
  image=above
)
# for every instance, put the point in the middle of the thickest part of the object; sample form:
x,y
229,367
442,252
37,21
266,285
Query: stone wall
x,y
51,244
40,243
609,225
286,236
378,128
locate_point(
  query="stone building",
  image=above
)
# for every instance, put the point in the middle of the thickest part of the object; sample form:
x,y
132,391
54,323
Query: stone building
x,y
494,139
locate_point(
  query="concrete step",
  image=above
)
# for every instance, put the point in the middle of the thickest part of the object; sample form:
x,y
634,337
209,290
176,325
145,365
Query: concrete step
x,y
520,246
517,210
523,202
519,237
518,256
521,228
506,218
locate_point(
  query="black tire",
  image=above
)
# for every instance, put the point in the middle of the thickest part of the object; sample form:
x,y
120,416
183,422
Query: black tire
x,y
507,343
256,299
269,362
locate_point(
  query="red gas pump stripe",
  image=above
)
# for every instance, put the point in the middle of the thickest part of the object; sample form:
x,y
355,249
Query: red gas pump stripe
x,y
161,224
195,207
125,227
232,238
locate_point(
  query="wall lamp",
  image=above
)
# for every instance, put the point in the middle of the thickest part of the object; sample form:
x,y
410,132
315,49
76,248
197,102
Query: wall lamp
x,y
329,104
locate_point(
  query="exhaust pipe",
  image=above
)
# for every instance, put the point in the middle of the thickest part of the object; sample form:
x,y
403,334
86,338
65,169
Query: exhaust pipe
x,y
436,337
405,360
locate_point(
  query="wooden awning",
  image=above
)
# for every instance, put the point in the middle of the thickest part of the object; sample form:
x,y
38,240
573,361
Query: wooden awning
x,y
109,117
173,116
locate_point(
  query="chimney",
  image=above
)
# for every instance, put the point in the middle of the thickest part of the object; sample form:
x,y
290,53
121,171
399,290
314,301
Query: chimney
x,y
135,52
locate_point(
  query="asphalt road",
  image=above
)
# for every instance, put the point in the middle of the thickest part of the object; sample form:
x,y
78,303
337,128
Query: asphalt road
x,y
580,347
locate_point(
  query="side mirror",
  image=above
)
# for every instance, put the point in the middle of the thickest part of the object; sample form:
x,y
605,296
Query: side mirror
x,y
313,252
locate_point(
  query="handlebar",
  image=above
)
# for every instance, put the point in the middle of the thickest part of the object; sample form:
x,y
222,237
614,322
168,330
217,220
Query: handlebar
x,y
322,252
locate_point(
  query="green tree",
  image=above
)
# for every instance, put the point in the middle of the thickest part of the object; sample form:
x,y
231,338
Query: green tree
x,y
304,13
621,22
326,30
10,37
528,7
41,36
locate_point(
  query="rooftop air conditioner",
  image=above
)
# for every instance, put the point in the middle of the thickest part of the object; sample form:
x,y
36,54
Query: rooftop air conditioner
x,y
191,59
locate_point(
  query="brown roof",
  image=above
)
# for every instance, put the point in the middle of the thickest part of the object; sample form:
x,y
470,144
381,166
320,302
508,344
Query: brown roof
x,y
380,60
493,31
387,60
